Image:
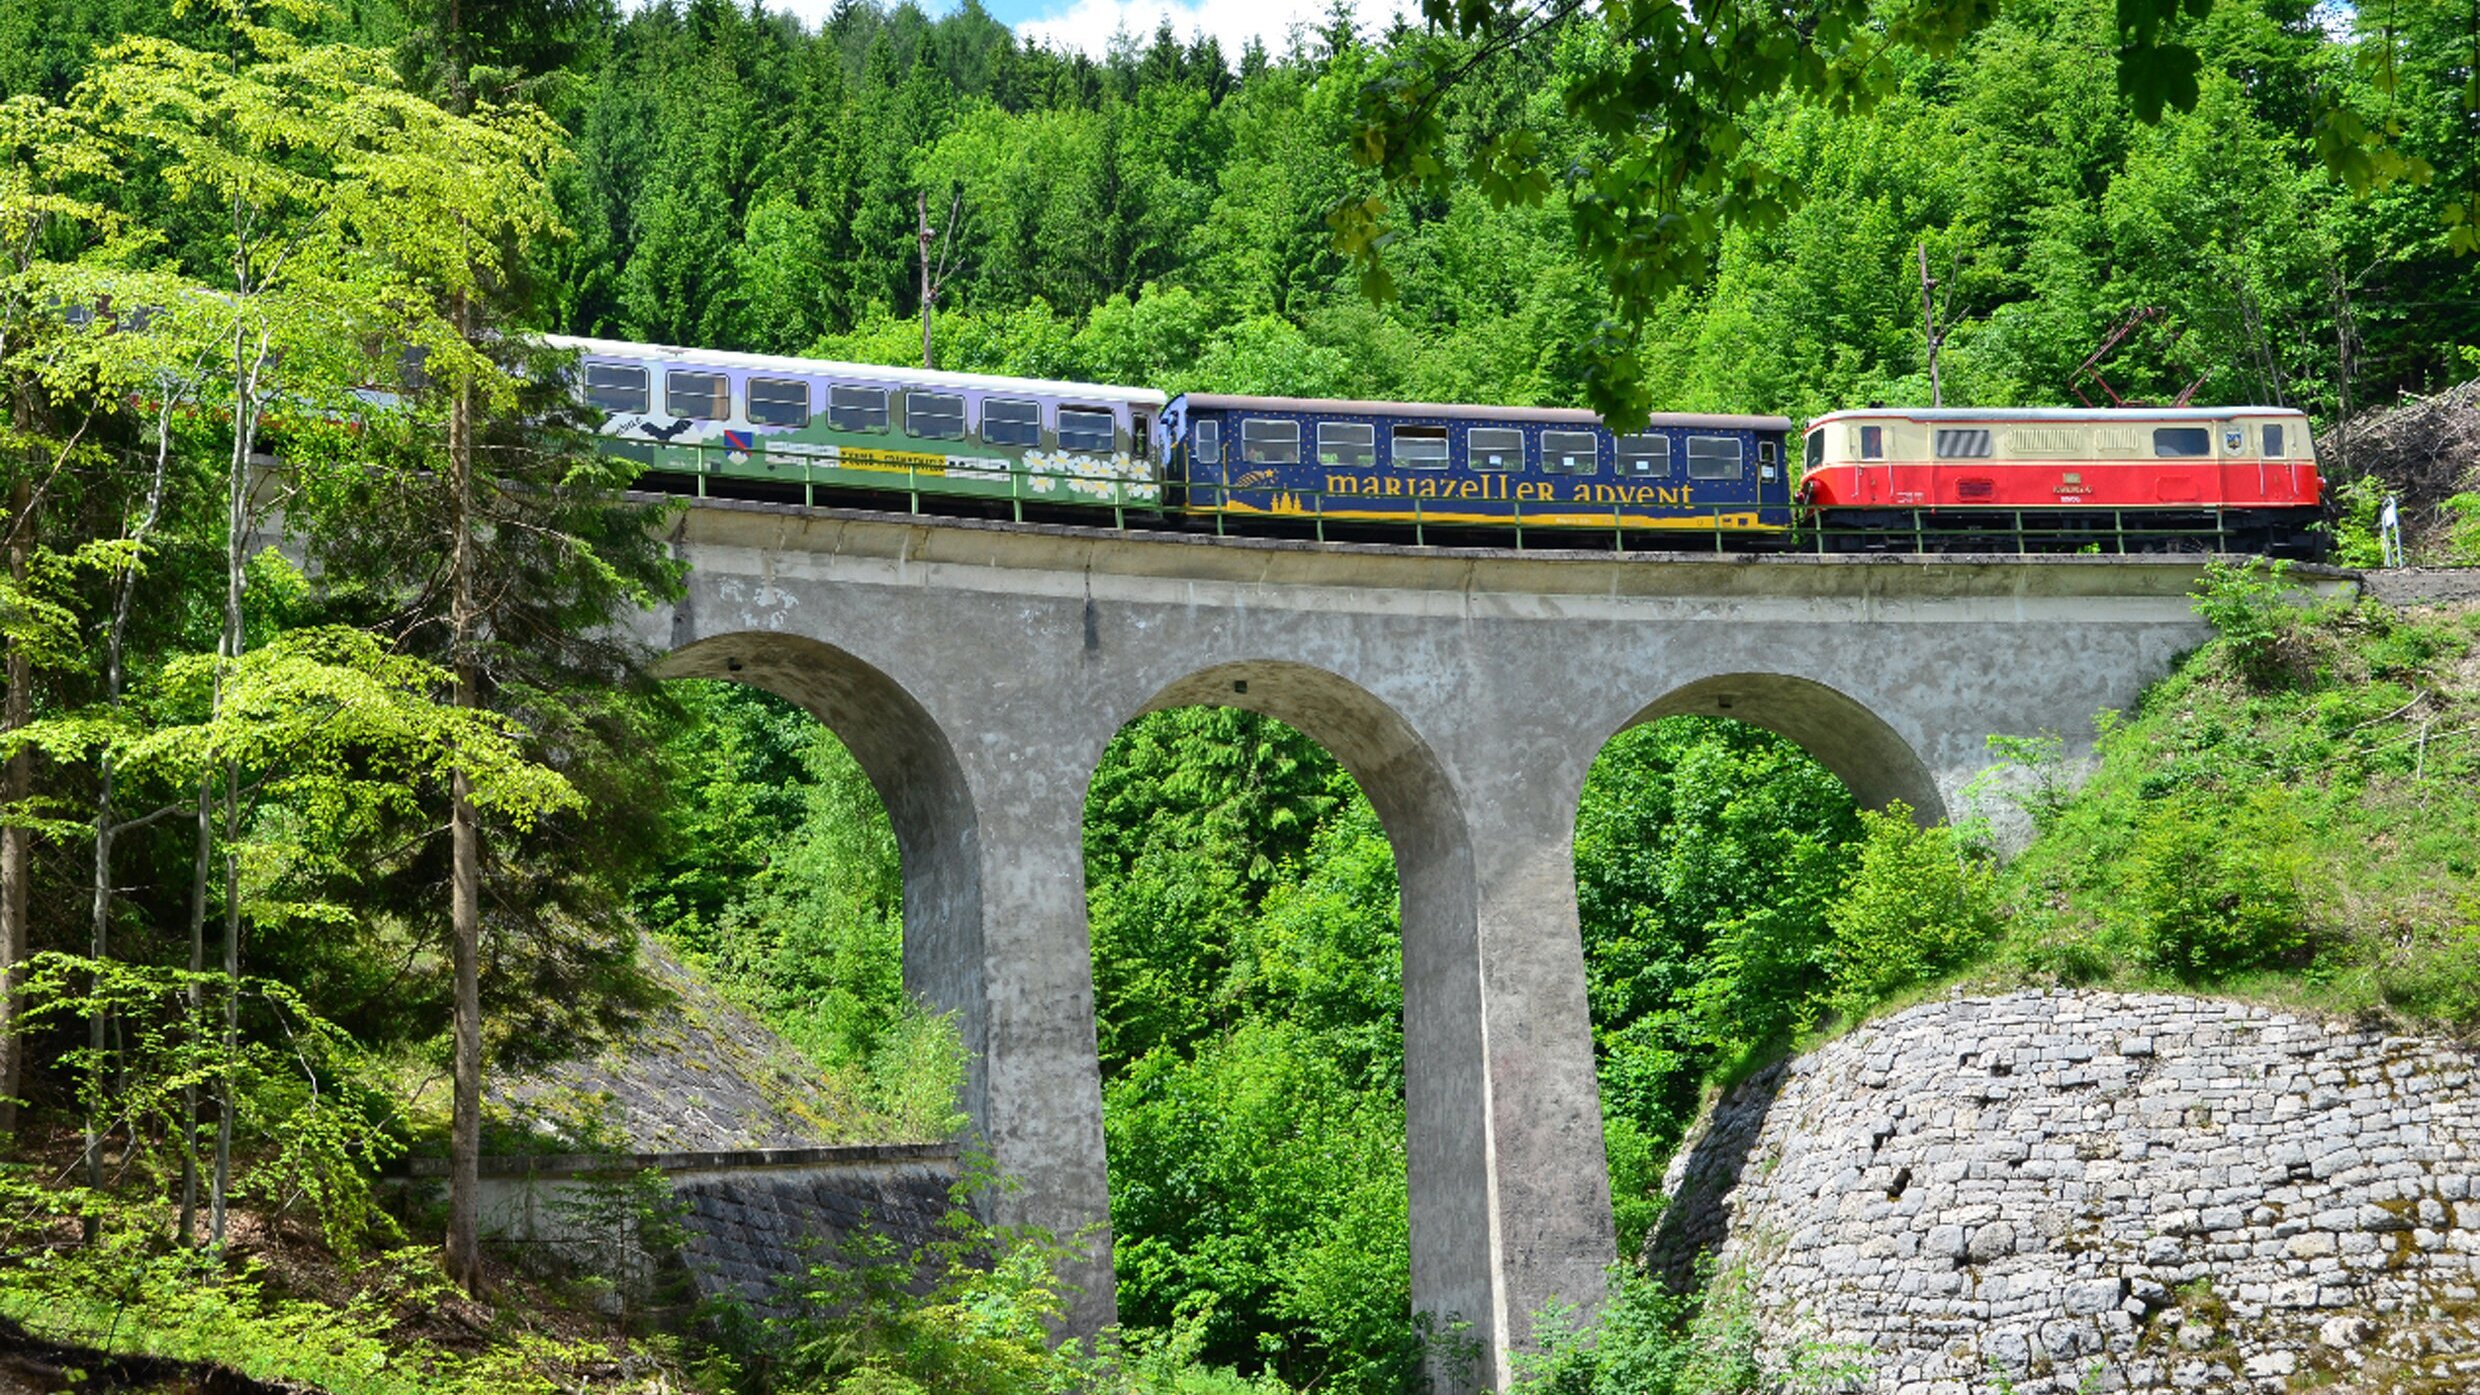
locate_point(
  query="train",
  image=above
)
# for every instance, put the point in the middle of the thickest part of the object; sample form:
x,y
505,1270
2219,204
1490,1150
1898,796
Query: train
x,y
1875,479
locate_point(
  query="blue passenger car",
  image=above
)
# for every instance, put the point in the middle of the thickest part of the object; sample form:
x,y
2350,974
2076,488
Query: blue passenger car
x,y
1421,463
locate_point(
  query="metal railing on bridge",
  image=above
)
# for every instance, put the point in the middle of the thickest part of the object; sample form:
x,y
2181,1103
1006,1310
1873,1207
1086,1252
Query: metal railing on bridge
x,y
1144,504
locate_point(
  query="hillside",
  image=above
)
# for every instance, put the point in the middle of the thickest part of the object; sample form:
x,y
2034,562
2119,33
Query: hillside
x,y
2293,814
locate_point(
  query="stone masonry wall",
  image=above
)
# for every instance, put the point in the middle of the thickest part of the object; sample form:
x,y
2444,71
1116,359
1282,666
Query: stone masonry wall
x,y
2067,1191
744,1220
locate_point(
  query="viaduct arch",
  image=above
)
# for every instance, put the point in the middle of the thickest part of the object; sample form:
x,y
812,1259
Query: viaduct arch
x,y
978,672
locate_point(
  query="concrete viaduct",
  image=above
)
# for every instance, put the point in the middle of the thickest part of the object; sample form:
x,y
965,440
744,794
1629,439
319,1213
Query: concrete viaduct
x,y
978,671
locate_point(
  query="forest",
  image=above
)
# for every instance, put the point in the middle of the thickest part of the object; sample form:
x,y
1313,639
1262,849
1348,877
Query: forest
x,y
306,845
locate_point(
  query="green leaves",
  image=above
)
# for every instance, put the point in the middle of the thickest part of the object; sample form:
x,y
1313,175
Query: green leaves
x,y
2155,77
337,734
1917,905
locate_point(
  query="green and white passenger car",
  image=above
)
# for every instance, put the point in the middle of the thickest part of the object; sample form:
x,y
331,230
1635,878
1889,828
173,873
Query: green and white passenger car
x,y
824,425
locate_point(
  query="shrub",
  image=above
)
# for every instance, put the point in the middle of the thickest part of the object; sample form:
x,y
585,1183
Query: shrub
x,y
2257,611
2214,891
1914,906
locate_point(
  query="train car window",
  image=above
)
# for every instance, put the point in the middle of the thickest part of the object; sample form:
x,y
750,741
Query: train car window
x,y
2273,442
1962,443
1714,458
1420,447
1494,448
1814,452
778,402
1141,435
939,416
1264,442
857,409
1209,443
1351,444
1086,430
2174,441
614,388
1568,452
697,396
1872,443
1645,456
1012,423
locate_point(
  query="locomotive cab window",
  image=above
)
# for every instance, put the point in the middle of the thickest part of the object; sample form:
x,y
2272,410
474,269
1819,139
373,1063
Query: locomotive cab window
x,y
1963,443
1265,442
1007,423
614,388
1419,447
1084,429
1645,457
2178,441
1209,443
1872,443
697,396
938,416
1351,444
2273,442
1714,458
1814,453
778,402
1568,452
857,409
1494,448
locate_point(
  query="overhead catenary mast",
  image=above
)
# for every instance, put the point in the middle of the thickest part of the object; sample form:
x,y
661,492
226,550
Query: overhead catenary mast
x,y
1929,327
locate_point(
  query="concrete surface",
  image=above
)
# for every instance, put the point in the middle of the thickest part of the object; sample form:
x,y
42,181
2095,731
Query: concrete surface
x,y
977,672
2414,586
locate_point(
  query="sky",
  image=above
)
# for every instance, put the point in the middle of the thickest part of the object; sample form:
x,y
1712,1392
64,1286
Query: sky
x,y
1089,24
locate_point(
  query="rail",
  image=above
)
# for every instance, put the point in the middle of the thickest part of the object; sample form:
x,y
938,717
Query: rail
x,y
1563,523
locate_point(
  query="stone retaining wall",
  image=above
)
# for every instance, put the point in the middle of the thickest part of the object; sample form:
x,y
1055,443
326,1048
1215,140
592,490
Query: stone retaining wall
x,y
743,1219
2086,1191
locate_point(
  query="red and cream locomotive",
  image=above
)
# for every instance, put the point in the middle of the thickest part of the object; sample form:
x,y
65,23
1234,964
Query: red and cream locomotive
x,y
2220,479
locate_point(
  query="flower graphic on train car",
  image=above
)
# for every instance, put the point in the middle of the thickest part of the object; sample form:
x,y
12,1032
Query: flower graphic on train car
x,y
1079,476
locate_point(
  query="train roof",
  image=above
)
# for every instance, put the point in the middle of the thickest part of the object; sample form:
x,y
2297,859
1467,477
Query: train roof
x,y
1552,416
2094,415
870,372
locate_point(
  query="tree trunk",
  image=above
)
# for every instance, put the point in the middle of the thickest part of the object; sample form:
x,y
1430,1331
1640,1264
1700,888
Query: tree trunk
x,y
16,847
246,370
99,942
222,1190
465,860
115,646
197,1022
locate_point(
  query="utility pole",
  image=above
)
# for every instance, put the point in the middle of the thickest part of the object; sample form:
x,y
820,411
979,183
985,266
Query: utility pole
x,y
929,293
1929,326
934,274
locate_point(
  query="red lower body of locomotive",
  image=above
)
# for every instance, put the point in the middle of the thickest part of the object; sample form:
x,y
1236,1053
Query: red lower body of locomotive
x,y
2270,507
